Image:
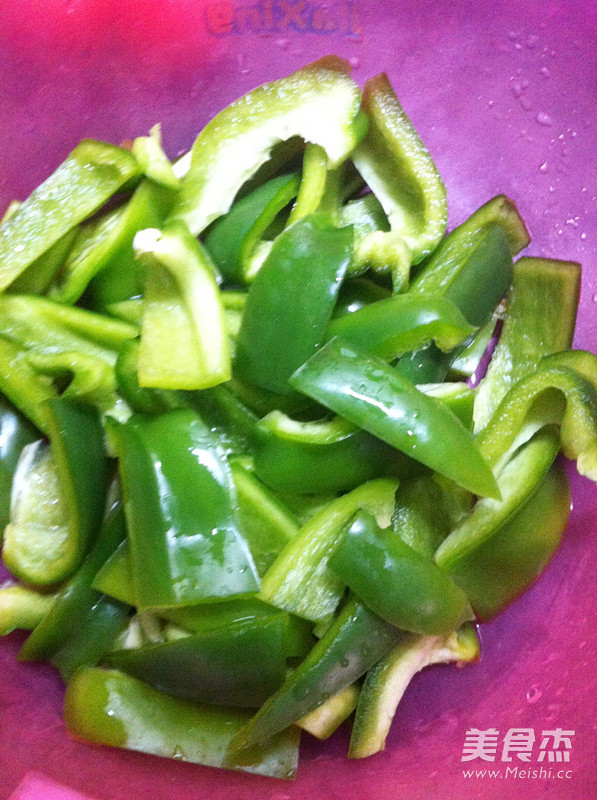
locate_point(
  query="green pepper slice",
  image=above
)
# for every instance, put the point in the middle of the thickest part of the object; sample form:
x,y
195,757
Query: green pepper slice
x,y
180,500
376,397
320,102
90,175
15,432
291,301
111,708
401,585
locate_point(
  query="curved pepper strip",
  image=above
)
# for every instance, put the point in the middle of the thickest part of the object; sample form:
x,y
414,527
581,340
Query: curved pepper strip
x,y
374,396
476,283
111,708
180,505
397,166
291,302
56,518
533,402
233,240
386,682
324,720
235,665
153,161
299,581
81,624
324,456
391,327
356,293
540,318
15,432
90,175
102,254
355,641
401,585
369,222
319,102
184,344
518,480
22,607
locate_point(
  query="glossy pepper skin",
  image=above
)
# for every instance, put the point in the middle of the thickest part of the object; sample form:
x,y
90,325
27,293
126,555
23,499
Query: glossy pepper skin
x,y
90,175
179,500
81,623
280,310
354,642
377,398
111,708
399,584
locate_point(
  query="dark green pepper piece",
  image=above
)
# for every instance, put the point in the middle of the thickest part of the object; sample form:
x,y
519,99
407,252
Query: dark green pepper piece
x,y
376,397
180,501
15,432
401,585
291,302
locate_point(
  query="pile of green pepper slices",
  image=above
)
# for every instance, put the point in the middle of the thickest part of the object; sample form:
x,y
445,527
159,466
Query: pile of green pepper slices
x,y
241,464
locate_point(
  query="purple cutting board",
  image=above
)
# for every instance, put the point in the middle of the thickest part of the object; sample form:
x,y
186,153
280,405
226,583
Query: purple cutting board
x,y
504,95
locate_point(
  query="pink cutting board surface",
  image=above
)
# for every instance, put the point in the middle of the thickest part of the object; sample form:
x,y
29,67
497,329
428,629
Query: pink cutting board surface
x,y
504,95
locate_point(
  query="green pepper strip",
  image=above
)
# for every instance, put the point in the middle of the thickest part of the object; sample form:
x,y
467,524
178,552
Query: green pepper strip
x,y
540,319
391,327
312,186
15,432
324,456
236,665
69,492
376,397
298,580
554,393
179,500
476,283
90,175
401,585
356,640
34,330
387,681
105,246
517,481
39,275
81,624
110,708
266,523
327,718
357,293
397,166
22,607
369,222
319,102
183,335
291,301
233,240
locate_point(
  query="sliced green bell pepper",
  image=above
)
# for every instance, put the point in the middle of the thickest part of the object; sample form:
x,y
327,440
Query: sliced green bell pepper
x,y
22,607
298,580
232,240
184,344
180,500
15,432
387,681
110,708
291,302
391,327
397,166
540,319
355,641
153,161
330,455
319,102
356,293
90,175
401,585
59,496
376,397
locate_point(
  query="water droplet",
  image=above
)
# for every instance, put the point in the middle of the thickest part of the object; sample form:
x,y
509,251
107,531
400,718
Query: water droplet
x,y
545,72
543,119
354,62
282,43
532,41
543,167
534,694
583,236
518,86
574,221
